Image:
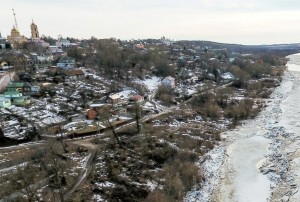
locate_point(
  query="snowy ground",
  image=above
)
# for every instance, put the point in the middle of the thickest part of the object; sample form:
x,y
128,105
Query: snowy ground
x,y
260,160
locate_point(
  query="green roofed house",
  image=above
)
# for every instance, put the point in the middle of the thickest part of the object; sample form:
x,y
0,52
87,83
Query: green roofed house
x,y
22,87
16,98
66,62
5,102
18,93
12,94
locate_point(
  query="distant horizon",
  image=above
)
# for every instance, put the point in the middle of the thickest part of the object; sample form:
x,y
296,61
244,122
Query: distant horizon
x,y
172,40
269,22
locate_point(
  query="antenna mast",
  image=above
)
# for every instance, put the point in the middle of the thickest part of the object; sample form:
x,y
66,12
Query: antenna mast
x,y
16,25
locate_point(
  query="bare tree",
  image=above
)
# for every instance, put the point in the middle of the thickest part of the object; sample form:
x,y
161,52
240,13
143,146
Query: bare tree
x,y
106,117
113,129
63,143
22,180
138,111
54,165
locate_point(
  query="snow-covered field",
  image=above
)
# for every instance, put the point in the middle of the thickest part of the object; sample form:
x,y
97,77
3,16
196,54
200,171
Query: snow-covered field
x,y
259,161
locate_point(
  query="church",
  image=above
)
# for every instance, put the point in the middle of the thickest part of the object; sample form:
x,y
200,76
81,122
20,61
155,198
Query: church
x,y
15,37
35,36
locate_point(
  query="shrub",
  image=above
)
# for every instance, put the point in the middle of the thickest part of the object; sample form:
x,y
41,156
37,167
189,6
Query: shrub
x,y
190,175
158,196
241,110
174,187
254,86
199,100
213,110
181,176
162,153
165,94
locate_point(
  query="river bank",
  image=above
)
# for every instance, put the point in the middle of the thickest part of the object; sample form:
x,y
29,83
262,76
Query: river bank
x,y
258,161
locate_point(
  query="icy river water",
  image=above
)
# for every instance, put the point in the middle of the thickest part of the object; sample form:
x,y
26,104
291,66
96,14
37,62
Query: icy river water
x,y
260,160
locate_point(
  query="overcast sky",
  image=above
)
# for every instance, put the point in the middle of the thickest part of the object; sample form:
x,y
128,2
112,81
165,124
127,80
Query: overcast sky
x,y
229,21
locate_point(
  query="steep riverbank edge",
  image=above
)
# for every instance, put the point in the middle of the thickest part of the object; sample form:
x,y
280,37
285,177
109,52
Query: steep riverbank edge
x,y
217,170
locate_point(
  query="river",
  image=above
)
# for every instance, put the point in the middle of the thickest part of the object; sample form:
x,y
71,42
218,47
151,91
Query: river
x,y
259,161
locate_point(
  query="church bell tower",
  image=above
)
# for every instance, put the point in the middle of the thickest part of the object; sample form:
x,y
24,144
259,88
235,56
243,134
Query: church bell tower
x,y
34,31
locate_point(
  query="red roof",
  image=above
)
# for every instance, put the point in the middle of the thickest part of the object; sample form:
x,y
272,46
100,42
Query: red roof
x,y
91,114
136,98
74,72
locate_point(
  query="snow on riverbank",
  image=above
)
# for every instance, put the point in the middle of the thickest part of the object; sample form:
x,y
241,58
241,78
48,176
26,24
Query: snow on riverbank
x,y
254,161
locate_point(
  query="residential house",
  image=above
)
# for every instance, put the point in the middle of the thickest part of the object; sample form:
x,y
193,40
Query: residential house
x,y
44,58
63,43
5,102
91,114
73,74
136,98
35,90
133,100
101,108
168,82
114,99
55,50
139,46
33,58
227,76
21,87
39,59
16,98
41,77
12,94
66,62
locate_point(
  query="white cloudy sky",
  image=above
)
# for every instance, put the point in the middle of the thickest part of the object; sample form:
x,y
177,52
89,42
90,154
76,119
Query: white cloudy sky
x,y
231,21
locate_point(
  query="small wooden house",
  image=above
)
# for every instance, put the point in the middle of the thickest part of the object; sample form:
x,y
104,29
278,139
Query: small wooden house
x,y
136,98
114,99
168,82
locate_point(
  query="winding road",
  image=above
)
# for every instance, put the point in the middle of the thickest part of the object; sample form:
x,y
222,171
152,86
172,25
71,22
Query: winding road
x,y
87,167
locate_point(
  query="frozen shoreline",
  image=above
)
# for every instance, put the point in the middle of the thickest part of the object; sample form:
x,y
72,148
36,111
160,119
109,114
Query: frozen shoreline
x,y
259,160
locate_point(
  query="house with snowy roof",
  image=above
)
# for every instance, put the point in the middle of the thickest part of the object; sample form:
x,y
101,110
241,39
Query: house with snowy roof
x,y
114,99
227,76
55,50
168,82
63,43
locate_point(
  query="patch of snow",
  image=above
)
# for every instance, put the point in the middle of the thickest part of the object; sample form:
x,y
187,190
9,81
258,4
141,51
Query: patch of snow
x,y
104,184
151,185
151,83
